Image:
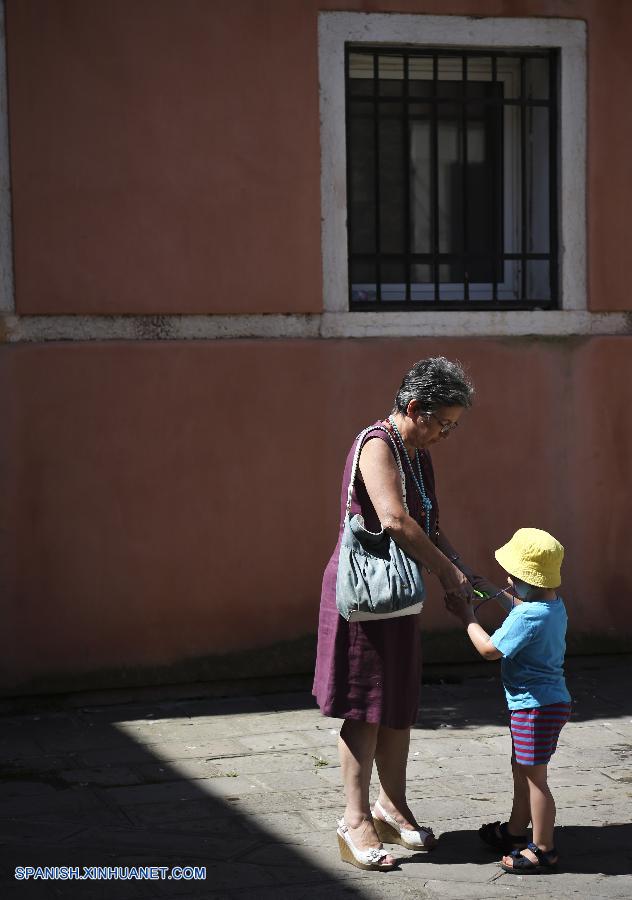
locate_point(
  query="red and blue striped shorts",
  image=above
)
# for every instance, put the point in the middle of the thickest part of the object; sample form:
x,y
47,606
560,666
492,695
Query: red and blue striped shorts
x,y
534,732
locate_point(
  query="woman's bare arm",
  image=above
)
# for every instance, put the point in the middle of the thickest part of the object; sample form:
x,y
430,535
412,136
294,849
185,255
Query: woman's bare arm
x,y
384,486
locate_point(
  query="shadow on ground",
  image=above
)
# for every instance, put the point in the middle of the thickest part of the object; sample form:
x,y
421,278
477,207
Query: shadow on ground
x,y
586,850
81,787
77,791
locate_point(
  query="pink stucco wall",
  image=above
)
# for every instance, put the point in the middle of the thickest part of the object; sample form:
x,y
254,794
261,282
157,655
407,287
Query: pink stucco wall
x,y
162,156
165,159
139,475
165,156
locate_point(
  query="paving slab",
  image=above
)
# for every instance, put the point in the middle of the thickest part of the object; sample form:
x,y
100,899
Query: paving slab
x,y
250,787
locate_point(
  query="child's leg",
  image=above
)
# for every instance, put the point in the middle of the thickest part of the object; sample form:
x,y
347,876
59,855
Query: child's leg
x,y
521,809
534,734
542,806
511,835
542,812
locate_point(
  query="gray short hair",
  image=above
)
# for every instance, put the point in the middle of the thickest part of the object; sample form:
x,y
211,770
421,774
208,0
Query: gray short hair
x,y
433,383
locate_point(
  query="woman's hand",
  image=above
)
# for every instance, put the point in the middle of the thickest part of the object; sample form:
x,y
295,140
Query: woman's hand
x,y
467,570
454,581
460,585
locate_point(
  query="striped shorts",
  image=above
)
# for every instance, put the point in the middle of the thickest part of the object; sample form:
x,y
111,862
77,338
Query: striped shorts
x,y
534,732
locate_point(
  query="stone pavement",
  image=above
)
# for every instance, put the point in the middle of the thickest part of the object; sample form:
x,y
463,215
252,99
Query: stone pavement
x,y
249,787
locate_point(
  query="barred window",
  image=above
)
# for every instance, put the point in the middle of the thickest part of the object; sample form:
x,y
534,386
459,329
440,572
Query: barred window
x,y
451,178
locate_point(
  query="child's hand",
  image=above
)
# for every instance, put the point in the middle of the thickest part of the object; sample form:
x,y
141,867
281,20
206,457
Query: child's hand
x,y
480,583
460,607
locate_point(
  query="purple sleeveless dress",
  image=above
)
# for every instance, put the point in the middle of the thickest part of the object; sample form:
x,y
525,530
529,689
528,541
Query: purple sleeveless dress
x,y
370,671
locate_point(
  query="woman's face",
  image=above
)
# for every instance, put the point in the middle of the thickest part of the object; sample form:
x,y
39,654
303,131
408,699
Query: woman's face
x,y
430,428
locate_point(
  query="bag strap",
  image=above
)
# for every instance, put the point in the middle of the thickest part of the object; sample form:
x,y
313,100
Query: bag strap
x,y
356,457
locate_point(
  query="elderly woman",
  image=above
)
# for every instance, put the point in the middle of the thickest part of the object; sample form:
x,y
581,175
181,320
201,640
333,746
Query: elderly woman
x,y
369,673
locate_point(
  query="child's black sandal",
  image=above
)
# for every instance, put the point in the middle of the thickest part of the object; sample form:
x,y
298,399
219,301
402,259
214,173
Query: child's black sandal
x,y
507,842
522,865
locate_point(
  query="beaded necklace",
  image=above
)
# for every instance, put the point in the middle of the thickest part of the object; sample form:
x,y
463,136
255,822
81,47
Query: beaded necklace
x,y
417,476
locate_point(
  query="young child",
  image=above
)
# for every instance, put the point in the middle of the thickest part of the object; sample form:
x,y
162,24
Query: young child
x,y
531,642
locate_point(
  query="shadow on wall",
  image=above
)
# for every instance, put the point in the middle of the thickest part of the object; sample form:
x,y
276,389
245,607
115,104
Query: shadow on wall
x,y
466,697
293,658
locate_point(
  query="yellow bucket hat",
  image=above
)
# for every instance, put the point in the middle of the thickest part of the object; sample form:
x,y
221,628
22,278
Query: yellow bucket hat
x,y
533,556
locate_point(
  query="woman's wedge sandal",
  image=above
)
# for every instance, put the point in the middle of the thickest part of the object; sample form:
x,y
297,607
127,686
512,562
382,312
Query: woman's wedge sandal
x,y
522,865
390,832
371,859
497,835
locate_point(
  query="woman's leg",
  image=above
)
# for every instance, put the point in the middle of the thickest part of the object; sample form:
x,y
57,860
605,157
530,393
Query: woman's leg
x,y
356,746
391,757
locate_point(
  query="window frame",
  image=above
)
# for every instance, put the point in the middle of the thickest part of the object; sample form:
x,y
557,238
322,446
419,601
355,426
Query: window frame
x,y
568,37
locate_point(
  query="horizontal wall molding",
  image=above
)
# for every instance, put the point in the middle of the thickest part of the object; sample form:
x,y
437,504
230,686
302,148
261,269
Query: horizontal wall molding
x,y
39,329
157,328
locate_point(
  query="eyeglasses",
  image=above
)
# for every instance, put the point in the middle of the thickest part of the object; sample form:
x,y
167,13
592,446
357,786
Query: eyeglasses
x,y
446,427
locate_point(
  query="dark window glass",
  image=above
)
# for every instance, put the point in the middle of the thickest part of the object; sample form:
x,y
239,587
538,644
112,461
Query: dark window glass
x,y
451,178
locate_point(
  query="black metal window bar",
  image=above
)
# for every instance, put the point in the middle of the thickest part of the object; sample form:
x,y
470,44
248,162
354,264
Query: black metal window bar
x,y
451,178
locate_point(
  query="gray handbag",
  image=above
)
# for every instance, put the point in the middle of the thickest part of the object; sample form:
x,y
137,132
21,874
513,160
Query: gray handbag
x,y
376,579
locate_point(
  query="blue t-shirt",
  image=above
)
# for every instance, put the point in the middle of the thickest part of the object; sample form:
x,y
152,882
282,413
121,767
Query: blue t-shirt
x,y
532,640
